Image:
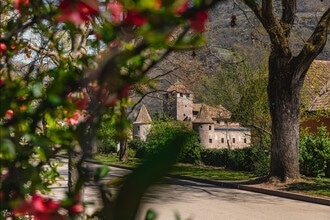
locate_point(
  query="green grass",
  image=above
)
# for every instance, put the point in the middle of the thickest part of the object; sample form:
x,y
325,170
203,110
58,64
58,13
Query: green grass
x,y
309,186
197,171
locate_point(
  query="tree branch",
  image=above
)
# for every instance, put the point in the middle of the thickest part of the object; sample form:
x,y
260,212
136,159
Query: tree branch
x,y
313,46
289,9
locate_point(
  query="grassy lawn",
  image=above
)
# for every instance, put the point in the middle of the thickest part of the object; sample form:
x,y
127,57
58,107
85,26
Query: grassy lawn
x,y
309,186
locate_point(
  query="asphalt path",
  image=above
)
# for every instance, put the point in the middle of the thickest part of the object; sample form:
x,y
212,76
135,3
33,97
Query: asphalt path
x,y
199,201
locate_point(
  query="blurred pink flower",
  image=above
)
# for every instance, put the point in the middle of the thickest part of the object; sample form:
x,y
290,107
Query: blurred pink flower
x,y
198,21
40,208
136,18
80,99
9,114
3,47
77,12
19,3
74,119
116,11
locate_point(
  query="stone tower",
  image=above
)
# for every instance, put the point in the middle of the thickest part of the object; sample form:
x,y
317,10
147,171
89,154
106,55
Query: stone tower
x,y
142,124
204,126
178,102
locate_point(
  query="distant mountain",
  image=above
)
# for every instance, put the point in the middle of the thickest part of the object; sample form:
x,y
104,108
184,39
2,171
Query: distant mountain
x,y
248,34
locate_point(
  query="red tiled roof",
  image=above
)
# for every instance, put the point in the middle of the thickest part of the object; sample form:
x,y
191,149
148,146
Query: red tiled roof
x,y
179,87
316,90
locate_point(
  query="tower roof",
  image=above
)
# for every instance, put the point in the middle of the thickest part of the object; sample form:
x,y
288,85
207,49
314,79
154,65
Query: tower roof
x,y
203,116
143,117
179,87
217,112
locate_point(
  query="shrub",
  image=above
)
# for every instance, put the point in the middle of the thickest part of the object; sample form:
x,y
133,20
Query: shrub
x,y
255,159
139,147
106,136
314,153
214,157
162,131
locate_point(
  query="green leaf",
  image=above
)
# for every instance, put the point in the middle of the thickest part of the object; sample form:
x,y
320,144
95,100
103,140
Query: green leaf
x,y
101,172
7,151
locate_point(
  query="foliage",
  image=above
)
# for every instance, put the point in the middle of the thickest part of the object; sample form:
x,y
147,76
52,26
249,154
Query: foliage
x,y
106,136
139,146
170,127
314,153
254,159
63,65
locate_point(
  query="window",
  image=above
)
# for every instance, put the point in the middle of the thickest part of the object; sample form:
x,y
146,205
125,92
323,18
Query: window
x,y
201,126
138,128
166,96
210,127
222,140
233,140
245,140
188,94
181,95
210,141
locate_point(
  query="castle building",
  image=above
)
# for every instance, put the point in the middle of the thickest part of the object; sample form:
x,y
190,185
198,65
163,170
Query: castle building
x,y
211,123
142,124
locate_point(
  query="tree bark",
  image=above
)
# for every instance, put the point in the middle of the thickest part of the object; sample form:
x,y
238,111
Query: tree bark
x,y
284,98
286,78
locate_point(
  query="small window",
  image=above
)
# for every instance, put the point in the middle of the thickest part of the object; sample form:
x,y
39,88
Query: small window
x,y
222,140
166,96
188,94
210,127
233,140
184,114
245,140
210,141
181,95
138,128
201,126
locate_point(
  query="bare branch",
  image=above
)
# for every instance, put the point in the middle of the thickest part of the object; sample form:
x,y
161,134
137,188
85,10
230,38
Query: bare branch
x,y
314,45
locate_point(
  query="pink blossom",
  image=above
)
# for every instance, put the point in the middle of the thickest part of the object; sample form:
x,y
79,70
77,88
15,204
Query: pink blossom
x,y
3,47
136,18
40,208
80,99
74,119
198,21
19,3
76,208
116,11
77,12
183,8
9,114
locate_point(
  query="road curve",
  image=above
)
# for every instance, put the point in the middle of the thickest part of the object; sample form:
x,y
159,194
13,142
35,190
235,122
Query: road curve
x,y
200,201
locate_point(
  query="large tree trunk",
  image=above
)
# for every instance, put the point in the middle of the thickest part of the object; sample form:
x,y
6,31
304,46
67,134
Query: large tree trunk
x,y
284,97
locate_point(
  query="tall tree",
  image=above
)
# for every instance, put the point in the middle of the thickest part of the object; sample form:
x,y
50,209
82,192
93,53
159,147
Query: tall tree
x,y
286,77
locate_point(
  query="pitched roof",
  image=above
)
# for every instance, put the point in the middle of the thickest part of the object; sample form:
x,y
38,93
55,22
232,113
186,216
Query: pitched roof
x,y
143,117
218,112
203,116
179,87
316,94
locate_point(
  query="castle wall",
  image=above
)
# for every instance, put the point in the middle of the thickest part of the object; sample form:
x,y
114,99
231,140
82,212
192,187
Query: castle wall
x,y
141,131
232,138
206,134
184,106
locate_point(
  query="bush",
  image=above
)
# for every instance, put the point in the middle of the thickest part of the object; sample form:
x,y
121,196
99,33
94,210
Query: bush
x,y
106,136
139,147
162,131
214,157
314,153
254,159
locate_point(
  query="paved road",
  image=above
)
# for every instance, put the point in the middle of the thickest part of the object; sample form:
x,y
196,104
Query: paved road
x,y
198,201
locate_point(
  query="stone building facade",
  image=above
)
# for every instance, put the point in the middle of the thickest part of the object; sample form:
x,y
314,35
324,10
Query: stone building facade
x,y
211,123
